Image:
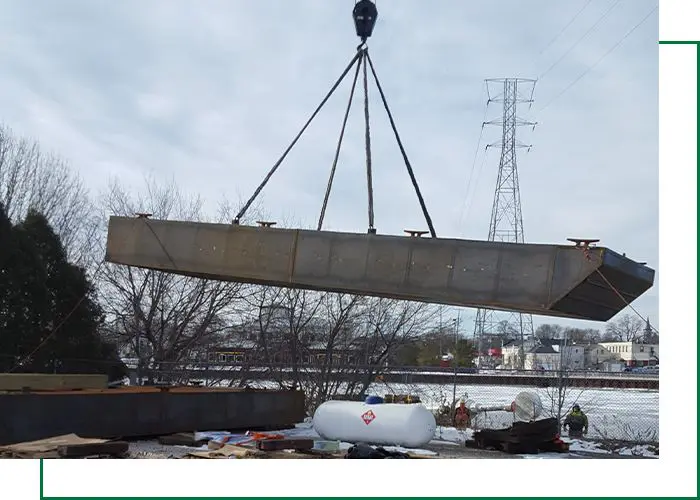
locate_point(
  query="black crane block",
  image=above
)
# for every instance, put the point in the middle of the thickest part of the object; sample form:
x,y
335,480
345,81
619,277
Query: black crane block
x,y
365,16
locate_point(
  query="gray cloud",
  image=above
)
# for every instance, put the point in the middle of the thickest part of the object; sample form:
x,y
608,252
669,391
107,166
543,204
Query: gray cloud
x,y
211,93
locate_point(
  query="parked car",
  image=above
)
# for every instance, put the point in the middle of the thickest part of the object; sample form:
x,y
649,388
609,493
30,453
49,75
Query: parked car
x,y
646,369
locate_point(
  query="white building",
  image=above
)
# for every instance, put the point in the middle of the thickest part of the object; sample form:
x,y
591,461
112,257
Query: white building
x,y
544,354
629,353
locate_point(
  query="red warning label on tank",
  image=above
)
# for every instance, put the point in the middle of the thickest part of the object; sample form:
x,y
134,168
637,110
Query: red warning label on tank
x,y
368,416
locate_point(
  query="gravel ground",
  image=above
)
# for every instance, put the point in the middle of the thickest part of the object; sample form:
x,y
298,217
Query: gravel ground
x,y
445,450
452,450
449,443
153,449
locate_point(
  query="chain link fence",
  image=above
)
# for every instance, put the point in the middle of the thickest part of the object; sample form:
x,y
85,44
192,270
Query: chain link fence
x,y
615,413
622,408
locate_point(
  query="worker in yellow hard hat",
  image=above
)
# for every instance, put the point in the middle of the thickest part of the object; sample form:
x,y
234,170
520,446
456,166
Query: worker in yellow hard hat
x,y
577,422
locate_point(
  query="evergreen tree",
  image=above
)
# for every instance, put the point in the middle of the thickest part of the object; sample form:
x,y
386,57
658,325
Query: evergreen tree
x,y
6,252
24,297
51,305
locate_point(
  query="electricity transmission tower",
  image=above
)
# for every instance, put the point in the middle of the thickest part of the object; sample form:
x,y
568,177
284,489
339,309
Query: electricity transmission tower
x,y
506,215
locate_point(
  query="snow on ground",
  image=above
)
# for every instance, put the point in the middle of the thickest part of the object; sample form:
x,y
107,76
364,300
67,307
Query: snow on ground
x,y
631,415
608,448
452,435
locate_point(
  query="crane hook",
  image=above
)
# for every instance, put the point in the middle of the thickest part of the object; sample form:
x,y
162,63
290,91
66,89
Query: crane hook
x,y
365,16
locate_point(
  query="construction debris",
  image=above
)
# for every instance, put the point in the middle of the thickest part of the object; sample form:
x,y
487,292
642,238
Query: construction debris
x,y
182,439
111,449
284,444
361,450
228,451
65,446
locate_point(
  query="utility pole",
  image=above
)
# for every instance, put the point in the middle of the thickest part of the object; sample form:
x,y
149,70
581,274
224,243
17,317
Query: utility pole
x,y
561,389
506,222
455,362
440,336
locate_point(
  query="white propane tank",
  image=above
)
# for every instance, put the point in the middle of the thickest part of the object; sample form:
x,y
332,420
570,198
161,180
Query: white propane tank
x,y
409,425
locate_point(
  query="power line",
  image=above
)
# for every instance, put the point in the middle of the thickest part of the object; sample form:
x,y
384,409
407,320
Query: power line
x,y
471,172
600,19
619,42
476,184
565,27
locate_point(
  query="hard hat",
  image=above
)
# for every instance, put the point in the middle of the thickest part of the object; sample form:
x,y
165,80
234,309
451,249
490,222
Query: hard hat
x,y
576,407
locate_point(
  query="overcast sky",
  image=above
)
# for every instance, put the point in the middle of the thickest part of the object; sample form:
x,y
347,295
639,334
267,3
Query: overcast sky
x,y
211,93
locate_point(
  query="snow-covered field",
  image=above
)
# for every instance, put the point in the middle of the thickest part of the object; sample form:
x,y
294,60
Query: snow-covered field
x,y
613,414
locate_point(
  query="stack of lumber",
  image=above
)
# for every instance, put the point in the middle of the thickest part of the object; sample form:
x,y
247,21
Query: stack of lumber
x,y
66,446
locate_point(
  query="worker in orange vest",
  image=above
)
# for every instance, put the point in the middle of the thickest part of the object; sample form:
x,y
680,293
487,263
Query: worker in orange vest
x,y
462,416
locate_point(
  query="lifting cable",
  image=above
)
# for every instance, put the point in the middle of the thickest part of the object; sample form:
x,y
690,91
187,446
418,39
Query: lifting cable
x,y
274,168
365,16
368,149
624,300
337,149
24,359
403,151
612,287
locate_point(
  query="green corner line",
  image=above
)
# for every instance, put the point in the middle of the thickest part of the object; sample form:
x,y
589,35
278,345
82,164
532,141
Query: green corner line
x,y
679,42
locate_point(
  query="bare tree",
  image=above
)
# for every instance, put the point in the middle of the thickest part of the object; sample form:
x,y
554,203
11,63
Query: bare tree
x,y
33,179
581,335
391,324
627,328
283,320
505,329
331,345
554,331
161,317
548,331
561,394
303,338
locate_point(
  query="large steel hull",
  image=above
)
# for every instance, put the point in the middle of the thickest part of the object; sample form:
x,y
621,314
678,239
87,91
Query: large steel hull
x,y
554,280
